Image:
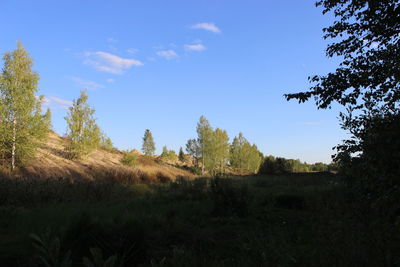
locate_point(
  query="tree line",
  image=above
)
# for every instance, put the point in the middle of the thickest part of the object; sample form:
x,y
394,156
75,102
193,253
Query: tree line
x,y
278,165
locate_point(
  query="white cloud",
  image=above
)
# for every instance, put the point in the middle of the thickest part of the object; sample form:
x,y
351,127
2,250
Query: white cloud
x,y
195,47
132,50
103,61
110,80
167,54
64,104
208,26
90,85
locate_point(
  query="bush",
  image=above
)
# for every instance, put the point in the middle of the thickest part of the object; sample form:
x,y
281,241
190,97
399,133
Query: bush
x,y
129,159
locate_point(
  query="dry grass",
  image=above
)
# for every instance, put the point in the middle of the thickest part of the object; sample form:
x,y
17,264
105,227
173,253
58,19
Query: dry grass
x,y
52,162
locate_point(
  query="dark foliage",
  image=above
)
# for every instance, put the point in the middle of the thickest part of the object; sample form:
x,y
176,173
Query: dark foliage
x,y
367,84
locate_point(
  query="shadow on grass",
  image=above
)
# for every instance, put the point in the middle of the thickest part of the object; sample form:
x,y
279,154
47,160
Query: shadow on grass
x,y
293,220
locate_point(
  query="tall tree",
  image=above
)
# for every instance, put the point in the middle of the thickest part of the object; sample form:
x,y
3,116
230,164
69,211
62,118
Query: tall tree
x,y
204,139
236,152
218,152
193,150
22,124
82,128
148,147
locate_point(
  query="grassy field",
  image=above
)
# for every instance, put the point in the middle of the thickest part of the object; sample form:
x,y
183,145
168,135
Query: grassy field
x,y
291,220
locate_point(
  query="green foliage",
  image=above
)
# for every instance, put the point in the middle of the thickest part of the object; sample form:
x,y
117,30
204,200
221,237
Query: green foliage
x,y
168,155
193,150
47,119
251,221
272,165
48,249
22,124
217,153
244,157
105,142
148,146
211,147
181,155
83,131
98,261
367,84
129,159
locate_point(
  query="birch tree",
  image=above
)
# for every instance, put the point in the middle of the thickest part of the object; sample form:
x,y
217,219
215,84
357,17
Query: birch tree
x,y
22,124
83,131
204,133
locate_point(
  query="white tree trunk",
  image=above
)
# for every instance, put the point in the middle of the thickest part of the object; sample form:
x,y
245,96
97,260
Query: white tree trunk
x,y
13,144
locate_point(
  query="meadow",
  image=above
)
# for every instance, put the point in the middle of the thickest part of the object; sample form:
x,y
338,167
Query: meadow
x,y
303,219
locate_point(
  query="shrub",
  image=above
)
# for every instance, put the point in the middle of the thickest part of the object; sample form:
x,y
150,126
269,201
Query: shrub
x,y
129,159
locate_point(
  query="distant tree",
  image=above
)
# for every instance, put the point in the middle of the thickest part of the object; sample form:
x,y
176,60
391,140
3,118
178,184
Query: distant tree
x,y
148,146
47,119
83,131
168,155
236,151
22,124
204,139
193,149
244,156
268,165
218,153
181,155
105,141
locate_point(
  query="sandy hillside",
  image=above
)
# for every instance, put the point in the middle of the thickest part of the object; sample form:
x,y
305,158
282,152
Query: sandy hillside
x,y
51,161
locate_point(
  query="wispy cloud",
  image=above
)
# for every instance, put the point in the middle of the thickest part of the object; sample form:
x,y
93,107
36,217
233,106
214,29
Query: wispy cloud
x,y
110,80
195,47
167,54
132,50
90,85
62,103
208,26
103,61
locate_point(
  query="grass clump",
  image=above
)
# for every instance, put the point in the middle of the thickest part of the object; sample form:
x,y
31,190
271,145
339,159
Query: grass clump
x,y
129,159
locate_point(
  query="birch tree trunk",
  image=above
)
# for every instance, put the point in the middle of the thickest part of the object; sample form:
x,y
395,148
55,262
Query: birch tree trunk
x,y
13,144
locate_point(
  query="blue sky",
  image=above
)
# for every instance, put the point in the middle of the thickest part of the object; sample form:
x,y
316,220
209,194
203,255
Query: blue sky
x,y
162,64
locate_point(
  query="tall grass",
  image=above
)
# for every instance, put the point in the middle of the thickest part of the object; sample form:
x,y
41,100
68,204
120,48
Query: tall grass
x,y
296,220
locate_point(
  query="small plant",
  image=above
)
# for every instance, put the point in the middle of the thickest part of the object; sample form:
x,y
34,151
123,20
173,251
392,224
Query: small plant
x,y
129,159
98,261
48,250
168,155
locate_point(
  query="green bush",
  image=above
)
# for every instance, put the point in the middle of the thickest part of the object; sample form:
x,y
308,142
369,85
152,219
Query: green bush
x,y
129,159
